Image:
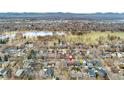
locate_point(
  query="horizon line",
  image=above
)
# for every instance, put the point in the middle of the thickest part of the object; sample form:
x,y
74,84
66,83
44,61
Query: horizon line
x,y
68,12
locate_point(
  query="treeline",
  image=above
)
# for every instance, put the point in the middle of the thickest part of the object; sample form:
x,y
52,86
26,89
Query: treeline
x,y
4,41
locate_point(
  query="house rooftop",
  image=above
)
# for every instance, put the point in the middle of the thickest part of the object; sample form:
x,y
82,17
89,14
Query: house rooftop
x,y
19,72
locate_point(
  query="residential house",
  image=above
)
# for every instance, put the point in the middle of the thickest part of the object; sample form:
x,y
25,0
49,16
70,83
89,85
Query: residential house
x,y
91,73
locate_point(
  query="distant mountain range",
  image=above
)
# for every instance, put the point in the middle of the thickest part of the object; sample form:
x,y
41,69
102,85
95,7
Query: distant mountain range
x,y
60,15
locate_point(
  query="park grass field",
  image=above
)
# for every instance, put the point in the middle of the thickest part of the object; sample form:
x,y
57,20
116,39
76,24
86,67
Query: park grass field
x,y
92,36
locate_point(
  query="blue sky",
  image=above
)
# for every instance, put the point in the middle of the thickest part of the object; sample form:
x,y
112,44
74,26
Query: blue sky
x,y
75,6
